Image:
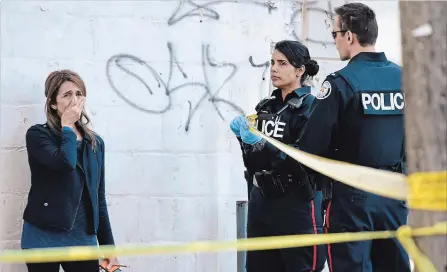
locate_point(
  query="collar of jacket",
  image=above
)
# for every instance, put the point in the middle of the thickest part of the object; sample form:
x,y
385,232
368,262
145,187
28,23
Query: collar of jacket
x,y
85,136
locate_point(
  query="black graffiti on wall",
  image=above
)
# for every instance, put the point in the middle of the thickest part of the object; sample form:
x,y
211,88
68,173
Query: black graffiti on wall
x,y
189,8
264,64
312,10
166,86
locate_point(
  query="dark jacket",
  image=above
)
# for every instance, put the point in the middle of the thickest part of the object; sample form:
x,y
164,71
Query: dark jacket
x,y
56,189
359,116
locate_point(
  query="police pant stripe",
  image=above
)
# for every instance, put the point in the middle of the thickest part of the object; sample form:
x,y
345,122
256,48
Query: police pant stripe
x,y
314,223
329,255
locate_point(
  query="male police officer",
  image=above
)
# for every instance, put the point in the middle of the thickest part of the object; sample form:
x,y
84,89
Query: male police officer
x,y
358,118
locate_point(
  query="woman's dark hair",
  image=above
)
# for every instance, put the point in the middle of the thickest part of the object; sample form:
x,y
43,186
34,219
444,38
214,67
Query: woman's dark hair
x,y
298,55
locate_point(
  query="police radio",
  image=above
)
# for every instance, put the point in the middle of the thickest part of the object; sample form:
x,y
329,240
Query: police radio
x,y
294,103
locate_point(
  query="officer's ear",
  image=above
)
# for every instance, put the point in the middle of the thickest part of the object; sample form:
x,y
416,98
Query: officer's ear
x,y
300,71
350,37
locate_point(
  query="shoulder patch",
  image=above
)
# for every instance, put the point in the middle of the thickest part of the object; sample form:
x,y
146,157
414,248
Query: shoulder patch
x,y
325,90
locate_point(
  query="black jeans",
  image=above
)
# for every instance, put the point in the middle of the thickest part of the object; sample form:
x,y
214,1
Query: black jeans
x,y
80,266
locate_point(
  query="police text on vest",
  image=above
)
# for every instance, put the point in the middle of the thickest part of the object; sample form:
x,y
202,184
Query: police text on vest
x,y
383,102
273,128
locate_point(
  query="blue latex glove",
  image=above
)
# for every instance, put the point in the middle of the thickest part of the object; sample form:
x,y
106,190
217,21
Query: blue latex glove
x,y
247,136
236,124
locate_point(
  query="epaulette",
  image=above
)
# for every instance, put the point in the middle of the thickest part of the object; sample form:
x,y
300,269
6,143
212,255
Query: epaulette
x,y
334,75
264,103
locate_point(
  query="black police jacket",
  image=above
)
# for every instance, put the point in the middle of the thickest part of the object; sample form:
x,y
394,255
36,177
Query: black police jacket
x,y
286,127
55,190
358,114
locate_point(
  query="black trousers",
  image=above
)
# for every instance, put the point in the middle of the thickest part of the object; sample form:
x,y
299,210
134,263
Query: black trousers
x,y
288,215
353,210
80,266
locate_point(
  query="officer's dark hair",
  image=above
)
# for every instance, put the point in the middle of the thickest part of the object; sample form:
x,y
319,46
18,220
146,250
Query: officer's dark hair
x,y
297,54
359,19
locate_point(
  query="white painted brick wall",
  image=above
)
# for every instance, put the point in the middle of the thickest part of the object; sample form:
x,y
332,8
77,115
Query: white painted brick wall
x,y
164,184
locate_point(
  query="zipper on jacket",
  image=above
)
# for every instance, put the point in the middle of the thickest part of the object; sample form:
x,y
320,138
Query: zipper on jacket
x,y
97,202
99,184
82,191
79,202
91,195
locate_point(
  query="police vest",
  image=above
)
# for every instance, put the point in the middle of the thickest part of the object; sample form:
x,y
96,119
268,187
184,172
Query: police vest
x,y
268,122
379,86
372,127
282,123
271,125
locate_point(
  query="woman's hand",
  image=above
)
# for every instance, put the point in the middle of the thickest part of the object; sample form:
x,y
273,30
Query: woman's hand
x,y
236,124
72,113
247,136
111,264
241,128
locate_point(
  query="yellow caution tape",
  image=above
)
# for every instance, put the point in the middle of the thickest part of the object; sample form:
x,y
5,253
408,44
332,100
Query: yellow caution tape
x,y
404,234
426,191
276,242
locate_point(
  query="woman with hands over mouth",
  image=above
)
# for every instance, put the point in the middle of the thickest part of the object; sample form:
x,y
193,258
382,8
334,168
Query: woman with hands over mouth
x,y
66,202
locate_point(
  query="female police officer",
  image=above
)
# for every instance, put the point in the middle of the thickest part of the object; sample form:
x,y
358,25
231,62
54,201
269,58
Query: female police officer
x,y
283,200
